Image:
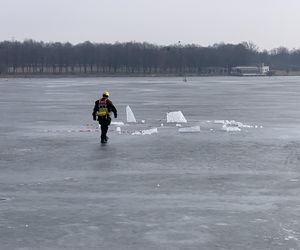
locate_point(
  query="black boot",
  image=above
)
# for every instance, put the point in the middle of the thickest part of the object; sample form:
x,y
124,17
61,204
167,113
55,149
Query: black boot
x,y
103,140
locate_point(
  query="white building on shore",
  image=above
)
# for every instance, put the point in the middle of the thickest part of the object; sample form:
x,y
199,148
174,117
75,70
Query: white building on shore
x,y
260,70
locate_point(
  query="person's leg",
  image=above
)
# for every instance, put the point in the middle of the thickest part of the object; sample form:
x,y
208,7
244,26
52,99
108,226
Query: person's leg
x,y
103,130
108,121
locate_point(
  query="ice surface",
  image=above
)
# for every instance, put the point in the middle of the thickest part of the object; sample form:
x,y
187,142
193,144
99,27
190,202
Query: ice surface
x,y
176,116
189,129
129,115
166,191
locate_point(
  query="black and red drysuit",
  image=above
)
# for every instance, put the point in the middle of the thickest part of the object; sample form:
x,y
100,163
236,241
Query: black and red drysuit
x,y
104,121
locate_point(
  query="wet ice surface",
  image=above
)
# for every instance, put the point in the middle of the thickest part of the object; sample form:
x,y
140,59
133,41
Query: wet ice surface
x,y
215,189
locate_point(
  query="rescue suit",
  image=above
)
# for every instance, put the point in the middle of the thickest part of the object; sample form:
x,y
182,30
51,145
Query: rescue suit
x,y
101,112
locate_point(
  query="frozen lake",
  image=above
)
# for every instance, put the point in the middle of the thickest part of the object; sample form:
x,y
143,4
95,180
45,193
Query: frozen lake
x,y
60,189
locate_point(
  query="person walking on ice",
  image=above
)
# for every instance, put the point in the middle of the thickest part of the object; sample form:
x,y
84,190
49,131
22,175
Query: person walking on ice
x,y
101,112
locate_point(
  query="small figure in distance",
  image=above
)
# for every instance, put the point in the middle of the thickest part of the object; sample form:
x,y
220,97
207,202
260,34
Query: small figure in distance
x,y
101,112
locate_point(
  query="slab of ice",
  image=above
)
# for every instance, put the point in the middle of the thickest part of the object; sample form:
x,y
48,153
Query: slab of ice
x,y
146,132
194,129
176,116
130,115
118,123
118,129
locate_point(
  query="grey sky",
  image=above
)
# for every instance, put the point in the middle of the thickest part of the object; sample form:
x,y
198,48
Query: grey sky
x,y
267,23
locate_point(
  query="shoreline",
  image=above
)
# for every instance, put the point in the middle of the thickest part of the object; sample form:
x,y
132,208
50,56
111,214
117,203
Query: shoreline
x,y
276,73
129,76
100,75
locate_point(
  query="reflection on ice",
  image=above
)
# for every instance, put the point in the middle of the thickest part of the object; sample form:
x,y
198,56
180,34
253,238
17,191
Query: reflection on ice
x,y
190,129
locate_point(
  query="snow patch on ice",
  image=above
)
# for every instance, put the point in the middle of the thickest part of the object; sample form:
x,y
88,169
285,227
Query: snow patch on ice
x,y
230,129
129,115
232,126
176,116
232,123
219,121
118,123
292,235
193,129
146,132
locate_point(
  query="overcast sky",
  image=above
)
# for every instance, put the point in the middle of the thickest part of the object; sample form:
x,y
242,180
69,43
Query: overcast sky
x,y
267,23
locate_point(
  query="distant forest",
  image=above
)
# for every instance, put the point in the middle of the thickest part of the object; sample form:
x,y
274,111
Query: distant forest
x,y
132,58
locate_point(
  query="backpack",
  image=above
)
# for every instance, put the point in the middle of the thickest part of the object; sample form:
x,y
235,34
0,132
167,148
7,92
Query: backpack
x,y
102,108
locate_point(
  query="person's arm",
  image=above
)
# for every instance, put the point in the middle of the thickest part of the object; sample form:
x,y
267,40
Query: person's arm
x,y
113,109
95,110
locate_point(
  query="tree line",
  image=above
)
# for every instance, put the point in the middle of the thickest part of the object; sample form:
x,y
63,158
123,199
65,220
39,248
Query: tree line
x,y
32,57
